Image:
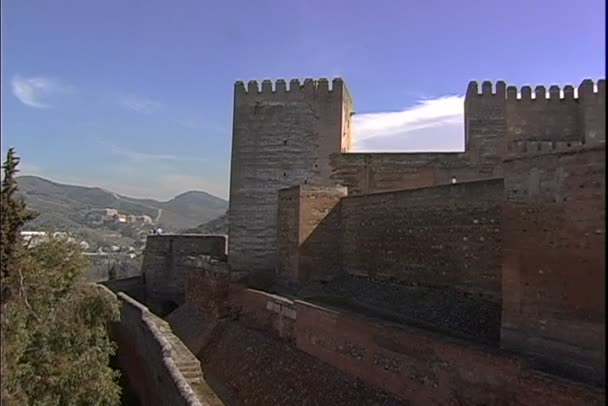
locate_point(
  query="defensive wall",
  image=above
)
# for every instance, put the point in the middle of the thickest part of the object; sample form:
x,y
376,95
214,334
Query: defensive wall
x,y
271,349
158,367
302,135
164,262
554,268
489,290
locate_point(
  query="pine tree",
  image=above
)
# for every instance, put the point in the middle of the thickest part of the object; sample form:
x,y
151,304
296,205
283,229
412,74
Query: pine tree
x,y
13,215
55,344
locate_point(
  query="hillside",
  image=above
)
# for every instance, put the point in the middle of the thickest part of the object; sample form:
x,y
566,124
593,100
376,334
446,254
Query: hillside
x,y
216,226
67,207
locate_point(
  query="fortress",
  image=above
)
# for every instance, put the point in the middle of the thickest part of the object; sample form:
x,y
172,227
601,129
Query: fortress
x,y
374,278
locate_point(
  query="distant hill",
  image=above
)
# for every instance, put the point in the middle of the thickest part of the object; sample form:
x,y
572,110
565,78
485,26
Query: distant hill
x,y
216,226
65,206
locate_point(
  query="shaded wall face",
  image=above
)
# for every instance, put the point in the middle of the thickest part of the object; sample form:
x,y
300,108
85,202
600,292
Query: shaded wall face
x,y
308,233
441,236
554,267
288,234
280,139
165,265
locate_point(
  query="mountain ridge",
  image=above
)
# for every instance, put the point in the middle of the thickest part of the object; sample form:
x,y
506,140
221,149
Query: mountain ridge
x,y
64,204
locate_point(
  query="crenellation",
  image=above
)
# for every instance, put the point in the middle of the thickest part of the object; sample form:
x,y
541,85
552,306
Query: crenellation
x,y
267,86
281,87
569,92
472,89
586,88
540,93
252,87
488,88
555,93
526,93
512,93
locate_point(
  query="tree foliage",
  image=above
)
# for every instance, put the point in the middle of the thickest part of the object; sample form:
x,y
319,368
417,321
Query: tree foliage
x,y
55,344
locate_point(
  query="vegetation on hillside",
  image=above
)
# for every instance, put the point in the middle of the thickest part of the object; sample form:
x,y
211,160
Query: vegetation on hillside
x,y
216,226
55,344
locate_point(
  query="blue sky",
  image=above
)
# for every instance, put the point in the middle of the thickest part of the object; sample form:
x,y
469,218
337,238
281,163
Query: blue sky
x,y
136,96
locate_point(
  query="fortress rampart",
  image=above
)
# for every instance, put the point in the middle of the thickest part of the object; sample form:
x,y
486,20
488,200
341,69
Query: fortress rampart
x,y
473,277
284,137
165,263
159,368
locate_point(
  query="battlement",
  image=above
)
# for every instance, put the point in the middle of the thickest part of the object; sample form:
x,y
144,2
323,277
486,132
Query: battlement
x,y
296,87
587,88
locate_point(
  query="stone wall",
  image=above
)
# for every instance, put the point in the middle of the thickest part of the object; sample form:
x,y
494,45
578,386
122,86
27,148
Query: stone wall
x,y
166,263
428,369
447,236
376,172
554,268
308,228
158,367
133,286
507,114
281,138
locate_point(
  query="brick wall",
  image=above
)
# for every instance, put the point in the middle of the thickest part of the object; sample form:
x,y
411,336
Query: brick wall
x,y
428,369
308,228
376,172
554,266
165,265
439,236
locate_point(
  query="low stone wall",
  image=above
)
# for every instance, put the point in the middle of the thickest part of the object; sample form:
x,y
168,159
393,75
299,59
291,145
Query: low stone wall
x,y
414,364
166,263
266,312
426,368
159,368
132,286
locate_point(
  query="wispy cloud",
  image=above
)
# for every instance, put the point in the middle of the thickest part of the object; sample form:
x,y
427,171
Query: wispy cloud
x,y
35,91
140,157
138,104
430,125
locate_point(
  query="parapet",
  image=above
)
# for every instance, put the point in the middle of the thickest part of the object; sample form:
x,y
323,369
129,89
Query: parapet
x,y
309,87
587,88
487,88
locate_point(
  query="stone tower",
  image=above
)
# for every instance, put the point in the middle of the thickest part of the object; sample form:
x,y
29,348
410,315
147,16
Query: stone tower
x,y
281,137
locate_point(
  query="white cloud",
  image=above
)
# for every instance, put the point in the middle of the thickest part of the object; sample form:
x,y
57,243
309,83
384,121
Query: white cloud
x,y
35,91
430,125
139,104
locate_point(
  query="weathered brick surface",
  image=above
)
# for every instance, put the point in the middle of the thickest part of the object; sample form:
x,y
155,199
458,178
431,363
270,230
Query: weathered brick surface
x,y
165,265
308,230
427,369
281,138
376,172
554,267
440,236
260,370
